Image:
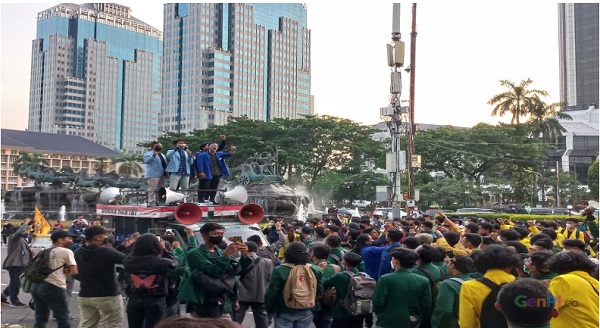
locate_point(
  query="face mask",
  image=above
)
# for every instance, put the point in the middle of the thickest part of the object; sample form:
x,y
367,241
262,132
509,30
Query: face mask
x,y
569,225
392,264
271,224
298,231
525,269
157,148
215,240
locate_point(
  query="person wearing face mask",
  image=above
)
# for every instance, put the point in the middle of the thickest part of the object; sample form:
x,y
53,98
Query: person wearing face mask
x,y
99,295
155,164
571,231
51,294
214,262
535,267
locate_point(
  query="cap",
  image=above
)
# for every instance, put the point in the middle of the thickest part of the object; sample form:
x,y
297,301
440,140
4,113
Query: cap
x,y
60,234
306,229
354,226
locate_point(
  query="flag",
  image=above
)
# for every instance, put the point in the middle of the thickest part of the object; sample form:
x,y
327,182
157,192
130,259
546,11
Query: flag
x,y
40,221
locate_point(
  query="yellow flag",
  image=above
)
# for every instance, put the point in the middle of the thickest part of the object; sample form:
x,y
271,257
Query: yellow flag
x,y
40,221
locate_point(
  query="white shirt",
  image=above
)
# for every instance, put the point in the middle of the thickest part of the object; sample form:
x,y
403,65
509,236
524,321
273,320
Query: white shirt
x,y
60,256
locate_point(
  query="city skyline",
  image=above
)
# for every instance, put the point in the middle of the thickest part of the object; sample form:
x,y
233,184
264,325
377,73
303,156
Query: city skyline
x,y
462,53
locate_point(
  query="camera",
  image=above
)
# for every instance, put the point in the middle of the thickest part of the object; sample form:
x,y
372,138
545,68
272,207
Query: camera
x,y
185,147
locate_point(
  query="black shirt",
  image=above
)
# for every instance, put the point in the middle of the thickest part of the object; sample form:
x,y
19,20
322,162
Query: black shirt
x,y
96,266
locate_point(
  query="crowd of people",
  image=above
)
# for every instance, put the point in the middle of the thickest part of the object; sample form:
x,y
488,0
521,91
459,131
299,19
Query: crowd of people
x,y
331,272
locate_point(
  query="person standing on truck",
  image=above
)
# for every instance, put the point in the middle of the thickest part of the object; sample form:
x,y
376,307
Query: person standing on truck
x,y
179,166
155,164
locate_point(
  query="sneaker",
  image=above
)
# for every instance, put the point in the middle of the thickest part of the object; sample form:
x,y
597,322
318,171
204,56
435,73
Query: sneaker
x,y
18,305
4,299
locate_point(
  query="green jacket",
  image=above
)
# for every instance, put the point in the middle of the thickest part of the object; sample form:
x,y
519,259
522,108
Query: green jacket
x,y
433,269
340,281
198,258
442,266
181,257
274,302
445,314
339,252
544,276
399,295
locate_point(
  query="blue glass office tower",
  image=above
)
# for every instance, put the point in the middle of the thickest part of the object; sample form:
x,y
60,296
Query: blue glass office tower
x,y
95,72
234,59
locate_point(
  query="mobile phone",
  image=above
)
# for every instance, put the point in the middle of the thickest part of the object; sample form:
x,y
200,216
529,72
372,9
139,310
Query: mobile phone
x,y
237,239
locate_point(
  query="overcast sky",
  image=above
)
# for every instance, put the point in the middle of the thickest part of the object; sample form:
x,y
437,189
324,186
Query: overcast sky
x,y
462,51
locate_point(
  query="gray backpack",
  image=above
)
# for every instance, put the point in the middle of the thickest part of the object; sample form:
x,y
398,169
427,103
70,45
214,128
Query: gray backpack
x,y
358,300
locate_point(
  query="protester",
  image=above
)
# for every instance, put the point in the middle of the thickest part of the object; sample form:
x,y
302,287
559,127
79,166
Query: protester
x,y
214,262
275,300
393,238
51,294
535,266
498,262
211,166
155,164
401,298
146,269
179,166
445,314
512,302
575,291
323,315
18,257
99,295
254,279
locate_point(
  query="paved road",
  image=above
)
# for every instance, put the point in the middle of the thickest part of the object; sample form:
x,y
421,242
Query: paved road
x,y
25,316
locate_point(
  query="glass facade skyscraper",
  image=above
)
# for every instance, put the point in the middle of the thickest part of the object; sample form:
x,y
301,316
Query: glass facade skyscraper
x,y
95,73
234,59
578,49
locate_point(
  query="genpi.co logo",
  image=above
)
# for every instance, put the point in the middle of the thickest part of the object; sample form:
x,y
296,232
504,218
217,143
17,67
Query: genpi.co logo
x,y
549,301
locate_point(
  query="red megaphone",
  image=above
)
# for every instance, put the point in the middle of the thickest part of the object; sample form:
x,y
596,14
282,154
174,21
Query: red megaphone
x,y
188,213
251,213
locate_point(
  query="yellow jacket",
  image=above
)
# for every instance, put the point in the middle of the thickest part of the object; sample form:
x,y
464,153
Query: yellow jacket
x,y
457,250
287,242
472,295
570,234
576,295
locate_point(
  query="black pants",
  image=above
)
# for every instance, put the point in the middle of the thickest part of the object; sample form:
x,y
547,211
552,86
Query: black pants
x,y
354,321
214,184
145,312
208,310
203,187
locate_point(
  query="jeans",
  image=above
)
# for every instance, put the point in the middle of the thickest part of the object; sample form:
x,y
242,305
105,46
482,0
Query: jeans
x,y
145,312
49,297
12,290
322,318
173,310
259,313
298,319
177,182
108,310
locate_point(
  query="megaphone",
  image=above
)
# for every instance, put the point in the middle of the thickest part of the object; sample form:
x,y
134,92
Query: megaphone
x,y
251,213
188,213
110,195
237,195
167,196
592,206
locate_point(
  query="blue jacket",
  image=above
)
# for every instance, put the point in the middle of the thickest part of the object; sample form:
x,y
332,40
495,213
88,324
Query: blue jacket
x,y
371,256
174,158
385,266
153,165
203,164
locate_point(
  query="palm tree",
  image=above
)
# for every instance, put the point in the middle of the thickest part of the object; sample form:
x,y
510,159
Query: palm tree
x,y
28,161
544,120
130,164
516,100
101,164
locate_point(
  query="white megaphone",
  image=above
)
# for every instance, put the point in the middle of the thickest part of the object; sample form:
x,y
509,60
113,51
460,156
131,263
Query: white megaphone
x,y
110,195
592,206
236,195
167,196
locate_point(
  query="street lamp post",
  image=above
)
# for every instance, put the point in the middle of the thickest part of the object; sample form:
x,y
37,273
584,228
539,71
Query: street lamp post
x,y
534,183
557,184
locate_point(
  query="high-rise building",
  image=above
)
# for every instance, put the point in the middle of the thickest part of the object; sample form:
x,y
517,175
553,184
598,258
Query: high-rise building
x,y
237,59
95,73
578,51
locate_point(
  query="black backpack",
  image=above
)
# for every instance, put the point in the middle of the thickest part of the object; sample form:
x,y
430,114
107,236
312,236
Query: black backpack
x,y
39,268
490,317
435,285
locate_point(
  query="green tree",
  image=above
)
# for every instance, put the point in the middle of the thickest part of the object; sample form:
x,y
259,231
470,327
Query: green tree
x,y
29,162
340,188
516,100
102,163
593,179
130,163
544,120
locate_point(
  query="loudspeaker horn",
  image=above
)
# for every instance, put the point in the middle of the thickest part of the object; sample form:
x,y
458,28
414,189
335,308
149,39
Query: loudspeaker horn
x,y
592,206
167,196
237,195
188,213
251,213
110,195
